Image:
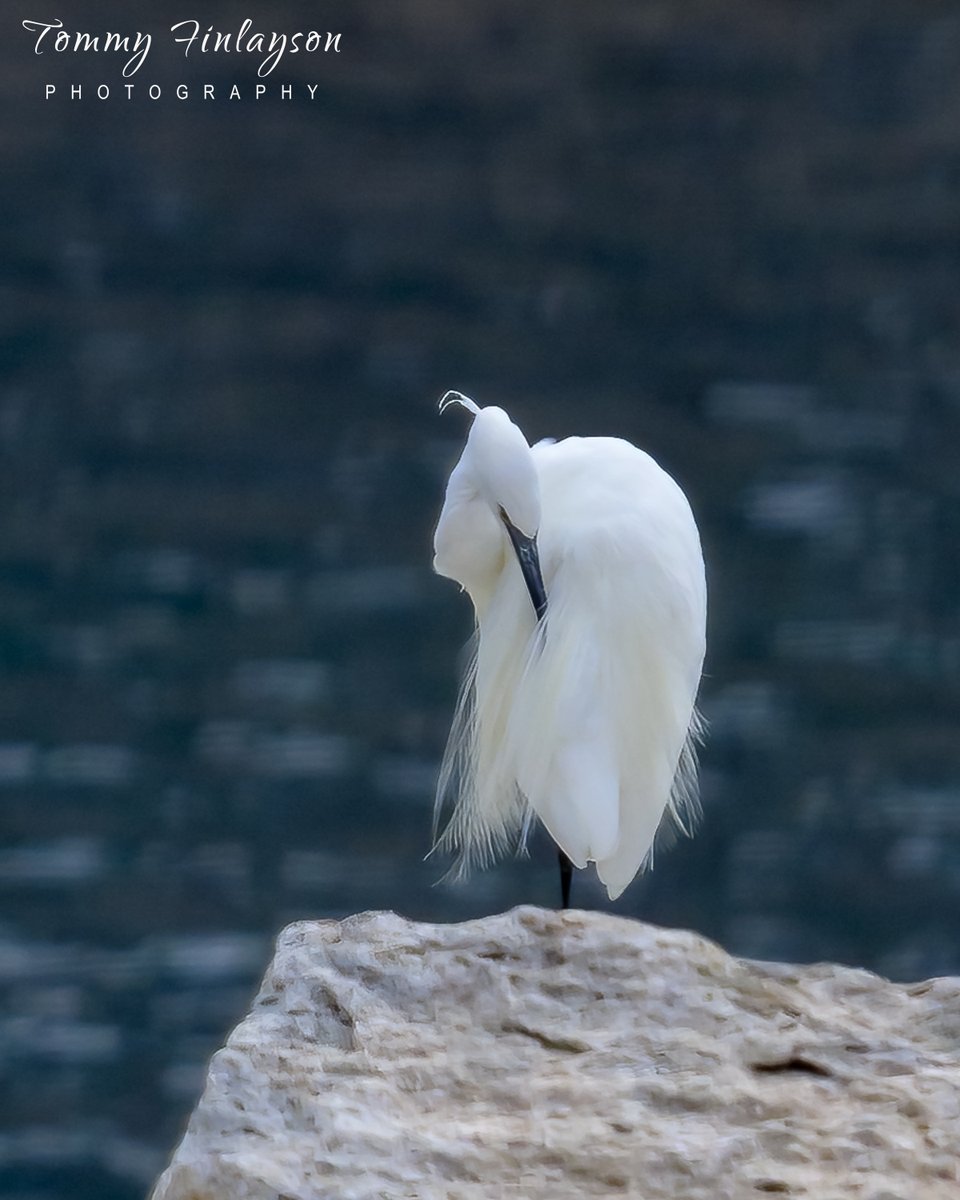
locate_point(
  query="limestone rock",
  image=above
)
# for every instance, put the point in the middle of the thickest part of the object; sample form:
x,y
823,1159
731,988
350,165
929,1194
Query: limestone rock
x,y
545,1054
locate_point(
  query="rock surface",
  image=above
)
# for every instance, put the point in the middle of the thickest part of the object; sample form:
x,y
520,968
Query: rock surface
x,y
544,1054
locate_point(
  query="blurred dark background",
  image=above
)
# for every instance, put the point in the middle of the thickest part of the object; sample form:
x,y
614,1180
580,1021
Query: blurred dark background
x,y
730,233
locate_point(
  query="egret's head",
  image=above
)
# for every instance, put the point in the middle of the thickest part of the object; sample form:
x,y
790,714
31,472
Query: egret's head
x,y
495,478
500,465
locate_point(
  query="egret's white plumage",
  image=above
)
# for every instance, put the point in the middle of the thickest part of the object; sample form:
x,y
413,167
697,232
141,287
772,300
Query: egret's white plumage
x,y
585,718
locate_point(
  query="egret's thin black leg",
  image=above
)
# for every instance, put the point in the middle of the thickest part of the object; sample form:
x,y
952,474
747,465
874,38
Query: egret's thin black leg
x,y
566,875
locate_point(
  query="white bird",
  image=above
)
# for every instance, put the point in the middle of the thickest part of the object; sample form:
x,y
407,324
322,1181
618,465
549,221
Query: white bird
x,y
583,562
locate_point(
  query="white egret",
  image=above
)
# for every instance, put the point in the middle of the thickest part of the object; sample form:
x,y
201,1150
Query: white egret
x,y
583,562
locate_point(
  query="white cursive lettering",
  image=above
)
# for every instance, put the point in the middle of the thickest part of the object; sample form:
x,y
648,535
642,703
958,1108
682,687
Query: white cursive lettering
x,y
137,46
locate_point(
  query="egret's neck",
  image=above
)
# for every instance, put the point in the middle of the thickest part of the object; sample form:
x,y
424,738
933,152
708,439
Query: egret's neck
x,y
469,542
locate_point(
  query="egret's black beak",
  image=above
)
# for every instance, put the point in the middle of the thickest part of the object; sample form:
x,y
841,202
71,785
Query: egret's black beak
x,y
529,559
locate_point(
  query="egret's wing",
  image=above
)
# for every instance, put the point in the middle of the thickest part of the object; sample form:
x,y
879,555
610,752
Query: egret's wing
x,y
624,578
580,799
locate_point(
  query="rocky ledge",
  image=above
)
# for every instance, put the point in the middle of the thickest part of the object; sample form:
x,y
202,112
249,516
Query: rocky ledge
x,y
544,1054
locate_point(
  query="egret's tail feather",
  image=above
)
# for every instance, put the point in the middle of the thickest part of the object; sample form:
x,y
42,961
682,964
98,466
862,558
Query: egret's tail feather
x,y
488,815
684,810
455,767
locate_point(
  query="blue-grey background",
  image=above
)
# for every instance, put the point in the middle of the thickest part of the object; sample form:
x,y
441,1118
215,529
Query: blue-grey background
x,y
728,232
